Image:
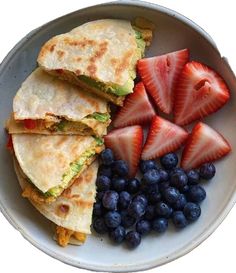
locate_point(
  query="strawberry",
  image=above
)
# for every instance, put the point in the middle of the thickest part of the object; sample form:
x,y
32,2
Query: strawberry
x,y
137,108
203,145
126,144
200,92
163,137
9,144
160,74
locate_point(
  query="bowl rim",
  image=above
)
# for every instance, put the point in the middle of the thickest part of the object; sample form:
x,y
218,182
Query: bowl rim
x,y
121,268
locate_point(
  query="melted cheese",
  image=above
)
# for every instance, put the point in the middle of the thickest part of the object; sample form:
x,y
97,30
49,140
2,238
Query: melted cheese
x,y
63,236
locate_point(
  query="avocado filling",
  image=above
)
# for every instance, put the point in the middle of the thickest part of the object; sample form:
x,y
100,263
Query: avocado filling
x,y
75,169
127,88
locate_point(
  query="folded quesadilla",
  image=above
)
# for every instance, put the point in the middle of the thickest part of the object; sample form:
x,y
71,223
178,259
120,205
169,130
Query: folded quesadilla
x,y
47,105
100,56
52,163
72,211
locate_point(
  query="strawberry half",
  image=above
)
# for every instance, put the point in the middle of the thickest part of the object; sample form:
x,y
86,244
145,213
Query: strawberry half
x,y
163,137
203,145
126,144
160,74
200,92
137,108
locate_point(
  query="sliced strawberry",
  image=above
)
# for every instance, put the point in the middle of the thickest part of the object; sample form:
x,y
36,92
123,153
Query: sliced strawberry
x,y
137,108
30,124
160,74
200,92
203,145
163,137
126,144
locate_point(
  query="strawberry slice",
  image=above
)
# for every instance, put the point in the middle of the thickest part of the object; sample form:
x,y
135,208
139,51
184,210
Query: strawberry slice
x,y
160,74
163,137
126,144
203,145
137,108
30,124
200,92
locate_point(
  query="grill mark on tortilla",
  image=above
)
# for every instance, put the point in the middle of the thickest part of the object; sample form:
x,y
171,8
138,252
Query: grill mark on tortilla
x,y
114,61
52,47
61,141
62,210
84,204
78,59
123,63
92,70
60,54
78,72
80,43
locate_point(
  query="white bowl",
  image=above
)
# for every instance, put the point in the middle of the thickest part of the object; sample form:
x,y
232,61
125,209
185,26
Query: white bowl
x,y
173,32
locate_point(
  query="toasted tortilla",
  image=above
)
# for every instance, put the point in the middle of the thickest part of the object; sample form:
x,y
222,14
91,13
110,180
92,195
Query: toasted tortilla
x,y
73,209
46,99
47,160
104,50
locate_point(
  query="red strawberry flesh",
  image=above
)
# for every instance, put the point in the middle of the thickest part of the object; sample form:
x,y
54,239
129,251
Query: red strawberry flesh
x,y
203,145
160,75
200,92
163,137
126,144
137,108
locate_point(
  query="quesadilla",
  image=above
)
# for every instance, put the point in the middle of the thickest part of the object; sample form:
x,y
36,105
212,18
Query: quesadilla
x,y
72,211
100,56
52,163
47,105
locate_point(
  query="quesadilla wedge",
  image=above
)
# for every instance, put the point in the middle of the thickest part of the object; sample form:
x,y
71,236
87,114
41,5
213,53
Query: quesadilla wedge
x,y
52,163
100,56
72,211
47,105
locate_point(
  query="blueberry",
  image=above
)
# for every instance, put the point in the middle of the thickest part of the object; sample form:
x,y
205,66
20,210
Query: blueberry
x,y
141,198
169,161
160,225
99,195
118,234
163,186
176,170
133,239
110,200
112,219
207,171
179,220
120,167
103,183
124,199
193,177
105,170
154,197
150,213
146,165
162,209
151,177
98,209
179,180
196,194
164,175
136,209
99,225
118,184
143,227
148,189
185,189
107,157
126,220
171,195
133,185
192,211
180,203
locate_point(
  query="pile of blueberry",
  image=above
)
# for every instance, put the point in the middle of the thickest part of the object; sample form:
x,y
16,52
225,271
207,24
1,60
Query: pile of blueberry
x,y
128,209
